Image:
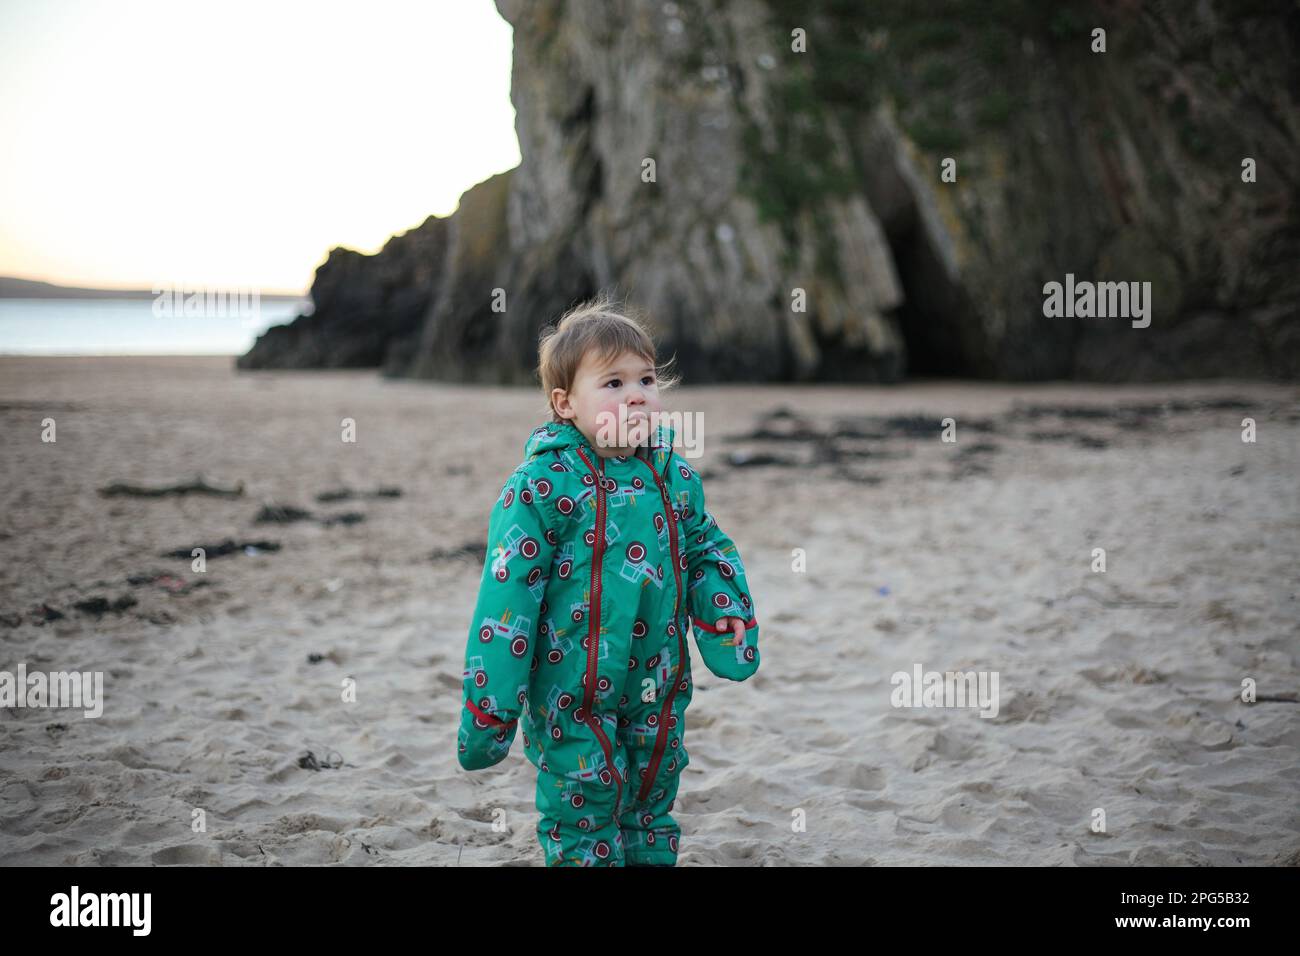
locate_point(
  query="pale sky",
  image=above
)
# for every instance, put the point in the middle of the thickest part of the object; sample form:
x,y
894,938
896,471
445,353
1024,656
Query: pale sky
x,y
234,143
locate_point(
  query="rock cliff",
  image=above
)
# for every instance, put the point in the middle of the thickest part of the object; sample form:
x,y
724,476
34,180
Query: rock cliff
x,y
776,170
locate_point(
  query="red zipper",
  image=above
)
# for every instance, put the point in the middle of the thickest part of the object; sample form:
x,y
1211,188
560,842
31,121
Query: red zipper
x,y
657,755
489,719
593,628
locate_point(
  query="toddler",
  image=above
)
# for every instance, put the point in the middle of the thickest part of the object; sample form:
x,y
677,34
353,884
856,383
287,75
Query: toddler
x,y
600,556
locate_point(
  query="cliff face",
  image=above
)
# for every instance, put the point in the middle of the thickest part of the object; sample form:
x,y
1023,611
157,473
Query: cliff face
x,y
776,171
363,306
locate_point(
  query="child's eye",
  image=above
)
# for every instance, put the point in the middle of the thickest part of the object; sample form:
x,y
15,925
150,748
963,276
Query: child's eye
x,y
613,381
648,380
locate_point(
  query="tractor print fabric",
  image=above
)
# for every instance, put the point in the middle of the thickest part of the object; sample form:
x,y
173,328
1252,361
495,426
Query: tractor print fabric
x,y
595,570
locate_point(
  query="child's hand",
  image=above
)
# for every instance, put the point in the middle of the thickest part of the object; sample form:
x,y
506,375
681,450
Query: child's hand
x,y
737,625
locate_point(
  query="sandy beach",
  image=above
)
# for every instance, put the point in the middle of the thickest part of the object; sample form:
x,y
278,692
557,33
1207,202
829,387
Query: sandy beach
x,y
224,702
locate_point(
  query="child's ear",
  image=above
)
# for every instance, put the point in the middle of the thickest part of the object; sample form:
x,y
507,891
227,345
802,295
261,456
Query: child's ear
x,y
560,402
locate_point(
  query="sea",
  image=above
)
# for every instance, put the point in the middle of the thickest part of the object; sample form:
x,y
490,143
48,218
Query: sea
x,y
121,326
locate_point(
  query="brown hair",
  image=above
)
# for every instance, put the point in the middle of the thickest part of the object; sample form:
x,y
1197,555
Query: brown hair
x,y
610,327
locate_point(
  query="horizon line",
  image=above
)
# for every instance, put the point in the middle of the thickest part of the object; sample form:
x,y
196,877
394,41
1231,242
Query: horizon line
x,y
65,285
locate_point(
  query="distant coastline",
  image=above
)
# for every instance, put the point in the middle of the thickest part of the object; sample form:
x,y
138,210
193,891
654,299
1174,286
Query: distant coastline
x,y
13,288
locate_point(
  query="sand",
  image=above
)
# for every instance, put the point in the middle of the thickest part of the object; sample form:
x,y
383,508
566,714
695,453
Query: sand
x,y
1118,691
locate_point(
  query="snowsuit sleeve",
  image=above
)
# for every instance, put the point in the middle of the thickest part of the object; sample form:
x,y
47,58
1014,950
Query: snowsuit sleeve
x,y
504,625
717,588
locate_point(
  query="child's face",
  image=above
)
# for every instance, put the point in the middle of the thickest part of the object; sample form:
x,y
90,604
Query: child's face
x,y
612,401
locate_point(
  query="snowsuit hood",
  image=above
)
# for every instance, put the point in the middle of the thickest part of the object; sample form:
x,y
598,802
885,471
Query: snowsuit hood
x,y
556,436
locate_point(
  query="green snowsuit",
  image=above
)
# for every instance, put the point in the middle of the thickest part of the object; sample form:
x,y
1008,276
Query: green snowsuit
x,y
581,637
